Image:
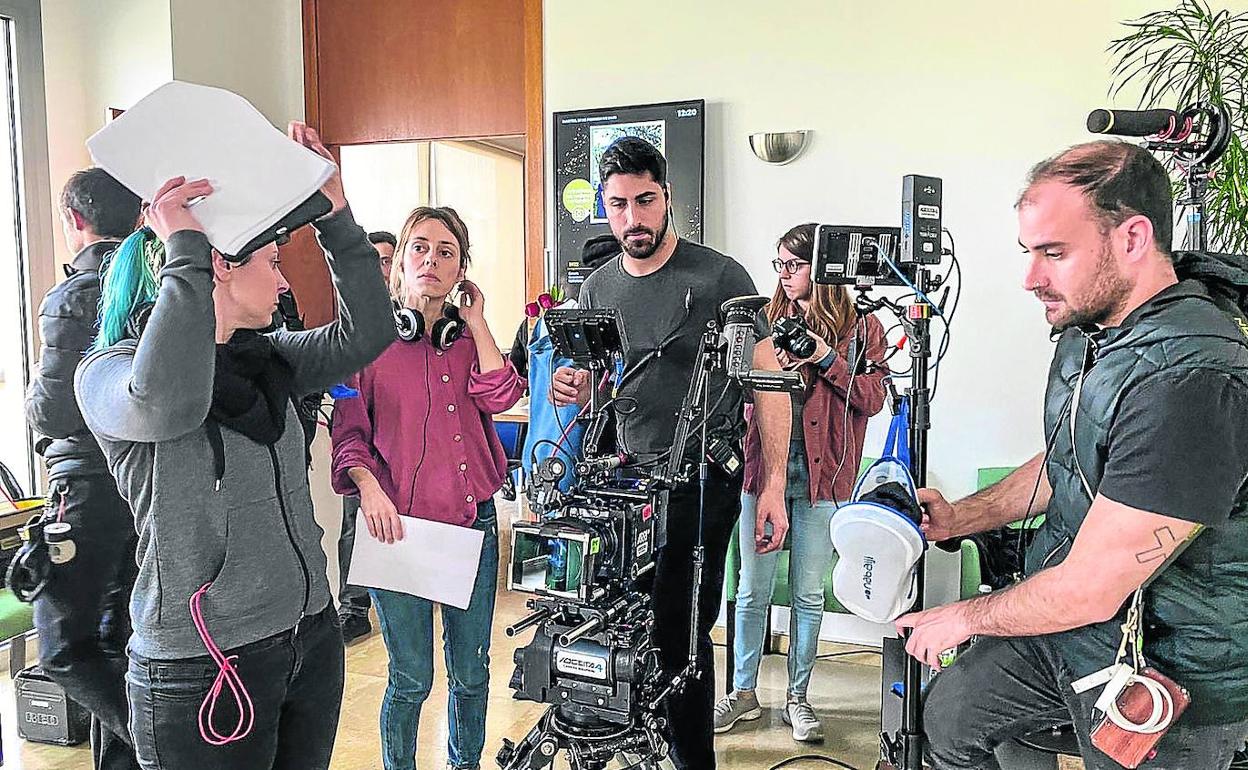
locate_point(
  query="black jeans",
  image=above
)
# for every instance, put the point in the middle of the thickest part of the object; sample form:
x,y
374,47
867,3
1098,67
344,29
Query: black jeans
x,y
352,600
690,712
1001,689
83,615
295,682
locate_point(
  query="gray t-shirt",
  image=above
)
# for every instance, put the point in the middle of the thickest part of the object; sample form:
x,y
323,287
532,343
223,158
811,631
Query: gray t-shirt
x,y
674,303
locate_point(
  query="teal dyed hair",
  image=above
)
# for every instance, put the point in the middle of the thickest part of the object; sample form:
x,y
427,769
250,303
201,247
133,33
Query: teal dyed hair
x,y
129,282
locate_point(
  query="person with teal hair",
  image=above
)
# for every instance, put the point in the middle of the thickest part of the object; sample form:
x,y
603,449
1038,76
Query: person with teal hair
x,y
236,656
129,284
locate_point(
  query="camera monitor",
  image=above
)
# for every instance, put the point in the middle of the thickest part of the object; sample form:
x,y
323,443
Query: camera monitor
x,y
859,256
555,558
586,336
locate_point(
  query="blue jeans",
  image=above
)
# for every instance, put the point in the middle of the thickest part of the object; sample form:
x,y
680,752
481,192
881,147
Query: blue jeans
x,y
407,627
810,556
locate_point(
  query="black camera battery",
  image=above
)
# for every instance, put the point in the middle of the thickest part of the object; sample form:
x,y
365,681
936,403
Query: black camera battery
x,y
921,201
45,714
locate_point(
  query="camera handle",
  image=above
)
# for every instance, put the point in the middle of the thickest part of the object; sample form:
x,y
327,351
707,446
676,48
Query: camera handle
x,y
596,414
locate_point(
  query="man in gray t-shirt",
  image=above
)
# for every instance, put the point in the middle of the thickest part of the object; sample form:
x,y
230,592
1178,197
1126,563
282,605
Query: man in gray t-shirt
x,y
666,290
664,315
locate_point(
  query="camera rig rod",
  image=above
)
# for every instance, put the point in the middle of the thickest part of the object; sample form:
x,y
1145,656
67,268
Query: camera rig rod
x,y
527,622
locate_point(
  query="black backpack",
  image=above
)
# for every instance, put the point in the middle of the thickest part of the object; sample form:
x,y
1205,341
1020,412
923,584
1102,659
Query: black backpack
x,y
1225,277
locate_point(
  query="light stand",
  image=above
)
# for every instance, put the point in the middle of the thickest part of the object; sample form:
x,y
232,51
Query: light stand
x,y
904,749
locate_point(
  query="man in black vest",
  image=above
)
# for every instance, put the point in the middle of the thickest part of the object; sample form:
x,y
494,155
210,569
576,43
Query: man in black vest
x,y
83,614
1142,482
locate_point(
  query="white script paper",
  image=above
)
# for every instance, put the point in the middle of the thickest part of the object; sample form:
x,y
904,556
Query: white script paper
x,y
434,561
258,174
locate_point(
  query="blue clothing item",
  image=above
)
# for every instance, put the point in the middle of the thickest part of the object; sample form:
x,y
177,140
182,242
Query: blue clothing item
x,y
546,421
810,558
407,628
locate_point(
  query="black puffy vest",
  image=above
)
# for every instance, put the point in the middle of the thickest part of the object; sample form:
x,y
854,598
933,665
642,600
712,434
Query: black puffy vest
x,y
1196,611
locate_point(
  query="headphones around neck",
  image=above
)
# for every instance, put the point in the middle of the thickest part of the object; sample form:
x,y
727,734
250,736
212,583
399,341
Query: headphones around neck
x,y
411,325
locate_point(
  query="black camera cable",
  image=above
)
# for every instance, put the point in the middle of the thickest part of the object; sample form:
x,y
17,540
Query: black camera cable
x,y
860,355
955,270
11,487
812,758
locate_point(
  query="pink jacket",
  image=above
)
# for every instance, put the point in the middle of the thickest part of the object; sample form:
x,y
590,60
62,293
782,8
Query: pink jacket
x,y
422,425
833,442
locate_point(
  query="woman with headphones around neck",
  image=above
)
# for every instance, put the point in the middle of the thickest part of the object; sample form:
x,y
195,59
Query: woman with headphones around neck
x,y
419,441
829,421
236,658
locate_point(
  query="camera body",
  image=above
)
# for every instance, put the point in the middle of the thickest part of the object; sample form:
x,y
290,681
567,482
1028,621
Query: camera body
x,y
591,654
792,335
594,545
584,558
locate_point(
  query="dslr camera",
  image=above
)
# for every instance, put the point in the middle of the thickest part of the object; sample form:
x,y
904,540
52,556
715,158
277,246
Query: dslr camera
x,y
792,335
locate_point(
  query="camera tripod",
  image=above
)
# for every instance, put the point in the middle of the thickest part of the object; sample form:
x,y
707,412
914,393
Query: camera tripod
x,y
589,742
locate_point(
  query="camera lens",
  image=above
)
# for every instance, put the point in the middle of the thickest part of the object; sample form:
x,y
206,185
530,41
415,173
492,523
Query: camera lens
x,y
803,346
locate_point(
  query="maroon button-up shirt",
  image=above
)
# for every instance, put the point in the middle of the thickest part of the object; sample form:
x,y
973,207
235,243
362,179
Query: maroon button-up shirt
x,y
829,436
422,425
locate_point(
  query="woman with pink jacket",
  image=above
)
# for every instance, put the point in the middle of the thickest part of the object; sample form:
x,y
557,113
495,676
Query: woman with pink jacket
x,y
419,441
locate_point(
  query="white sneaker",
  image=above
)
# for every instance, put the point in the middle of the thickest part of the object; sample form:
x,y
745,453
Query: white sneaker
x,y
736,707
799,714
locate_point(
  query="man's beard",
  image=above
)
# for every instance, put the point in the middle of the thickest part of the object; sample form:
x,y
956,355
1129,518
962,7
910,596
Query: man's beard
x,y
1102,300
656,240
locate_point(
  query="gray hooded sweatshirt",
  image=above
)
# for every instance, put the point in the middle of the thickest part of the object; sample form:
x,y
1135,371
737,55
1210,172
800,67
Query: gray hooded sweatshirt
x,y
251,535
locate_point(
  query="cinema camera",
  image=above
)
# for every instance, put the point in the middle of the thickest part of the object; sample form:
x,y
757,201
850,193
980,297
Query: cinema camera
x,y
586,559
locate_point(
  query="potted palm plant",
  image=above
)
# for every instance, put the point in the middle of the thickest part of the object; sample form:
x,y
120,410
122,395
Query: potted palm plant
x,y
1191,54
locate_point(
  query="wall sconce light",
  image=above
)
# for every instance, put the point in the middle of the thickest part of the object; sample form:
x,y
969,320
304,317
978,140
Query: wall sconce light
x,y
778,148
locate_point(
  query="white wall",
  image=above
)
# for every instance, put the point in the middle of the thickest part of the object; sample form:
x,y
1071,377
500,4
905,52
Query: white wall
x,y
385,181
485,186
252,48
109,53
97,54
974,92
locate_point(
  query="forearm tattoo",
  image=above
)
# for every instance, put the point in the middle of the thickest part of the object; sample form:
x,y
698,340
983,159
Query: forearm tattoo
x,y
1165,543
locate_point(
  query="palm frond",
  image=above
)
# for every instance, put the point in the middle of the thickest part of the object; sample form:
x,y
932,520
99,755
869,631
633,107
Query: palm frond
x,y
1186,55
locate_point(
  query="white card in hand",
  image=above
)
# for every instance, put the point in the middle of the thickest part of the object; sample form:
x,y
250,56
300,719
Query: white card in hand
x,y
434,561
258,174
